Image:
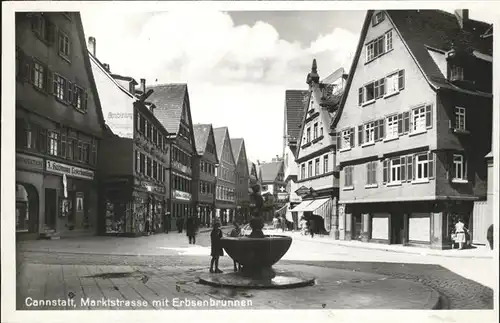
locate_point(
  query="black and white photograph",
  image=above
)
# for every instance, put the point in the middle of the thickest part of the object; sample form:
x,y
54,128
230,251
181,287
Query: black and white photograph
x,y
219,157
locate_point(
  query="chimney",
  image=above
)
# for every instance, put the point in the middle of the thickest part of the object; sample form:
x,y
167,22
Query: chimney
x,y
143,85
91,46
106,67
462,17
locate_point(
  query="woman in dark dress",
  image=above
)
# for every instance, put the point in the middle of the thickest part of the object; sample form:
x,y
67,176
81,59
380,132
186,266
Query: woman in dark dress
x,y
217,251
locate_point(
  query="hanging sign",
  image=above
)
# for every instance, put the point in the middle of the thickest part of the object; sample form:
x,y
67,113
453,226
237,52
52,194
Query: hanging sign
x,y
65,185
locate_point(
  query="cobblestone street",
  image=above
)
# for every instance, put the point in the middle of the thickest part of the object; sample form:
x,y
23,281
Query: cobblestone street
x,y
165,266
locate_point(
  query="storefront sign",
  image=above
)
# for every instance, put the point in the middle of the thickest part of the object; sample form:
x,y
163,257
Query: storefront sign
x,y
303,191
181,167
150,187
29,162
60,168
181,195
282,196
65,185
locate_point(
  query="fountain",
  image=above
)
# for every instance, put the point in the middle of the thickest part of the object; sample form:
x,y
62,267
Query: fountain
x,y
257,253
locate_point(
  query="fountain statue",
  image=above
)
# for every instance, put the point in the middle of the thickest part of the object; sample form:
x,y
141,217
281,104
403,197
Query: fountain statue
x,y
257,253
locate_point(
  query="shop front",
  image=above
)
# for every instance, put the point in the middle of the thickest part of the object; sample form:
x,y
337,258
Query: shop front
x,y
70,199
182,208
205,213
29,196
134,207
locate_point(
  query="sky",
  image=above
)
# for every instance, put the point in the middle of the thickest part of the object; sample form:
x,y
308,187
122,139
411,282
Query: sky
x,y
237,64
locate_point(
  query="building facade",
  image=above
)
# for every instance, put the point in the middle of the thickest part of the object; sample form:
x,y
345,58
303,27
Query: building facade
x,y
272,183
242,180
59,125
174,113
225,190
204,165
318,174
134,157
413,128
295,105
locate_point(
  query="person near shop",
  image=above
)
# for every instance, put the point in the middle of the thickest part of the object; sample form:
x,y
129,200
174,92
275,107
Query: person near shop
x,y
180,223
311,226
216,248
236,232
460,233
276,222
303,226
283,223
191,229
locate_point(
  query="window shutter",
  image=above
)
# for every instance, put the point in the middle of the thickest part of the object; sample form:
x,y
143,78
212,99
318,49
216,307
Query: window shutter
x,y
414,167
406,122
428,116
51,32
339,141
70,92
137,161
49,82
400,124
409,168
374,20
368,173
385,171
25,66
403,168
360,98
352,137
379,130
381,83
469,169
374,172
376,90
85,100
431,165
401,79
360,135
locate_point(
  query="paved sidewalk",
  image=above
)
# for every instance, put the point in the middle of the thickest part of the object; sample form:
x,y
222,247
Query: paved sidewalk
x,y
478,252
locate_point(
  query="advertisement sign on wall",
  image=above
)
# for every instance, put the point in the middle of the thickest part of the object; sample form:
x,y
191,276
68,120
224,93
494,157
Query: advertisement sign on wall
x,y
68,170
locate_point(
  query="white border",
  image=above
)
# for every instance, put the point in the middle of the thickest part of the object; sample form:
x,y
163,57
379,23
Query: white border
x,y
8,178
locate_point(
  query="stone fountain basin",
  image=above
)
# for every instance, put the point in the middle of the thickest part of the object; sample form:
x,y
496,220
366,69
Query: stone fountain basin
x,y
256,252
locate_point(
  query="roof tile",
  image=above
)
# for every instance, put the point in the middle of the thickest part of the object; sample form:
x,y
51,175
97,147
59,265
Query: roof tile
x,y
169,102
295,105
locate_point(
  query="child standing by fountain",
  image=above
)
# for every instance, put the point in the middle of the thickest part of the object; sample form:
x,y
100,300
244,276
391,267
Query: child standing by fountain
x,y
217,251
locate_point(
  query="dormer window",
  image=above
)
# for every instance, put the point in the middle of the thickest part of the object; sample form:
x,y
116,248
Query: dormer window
x,y
377,18
456,73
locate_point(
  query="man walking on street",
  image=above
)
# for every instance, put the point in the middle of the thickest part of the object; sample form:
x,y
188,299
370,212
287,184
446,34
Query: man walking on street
x,y
191,228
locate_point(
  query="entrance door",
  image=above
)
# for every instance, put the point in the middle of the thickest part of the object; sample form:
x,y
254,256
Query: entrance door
x,y
50,207
356,226
397,228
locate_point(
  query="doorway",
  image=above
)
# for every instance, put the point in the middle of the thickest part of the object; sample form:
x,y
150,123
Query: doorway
x,y
356,226
397,228
50,207
26,208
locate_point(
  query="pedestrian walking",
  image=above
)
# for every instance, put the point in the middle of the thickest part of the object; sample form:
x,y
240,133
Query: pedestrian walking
x,y
303,226
191,229
460,233
283,223
179,223
236,232
312,227
216,247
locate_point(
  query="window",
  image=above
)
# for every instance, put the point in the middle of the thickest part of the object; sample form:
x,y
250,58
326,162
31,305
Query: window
x,y
424,166
369,132
59,87
303,171
38,76
370,51
64,47
43,28
369,92
459,118
155,169
308,135
148,166
316,167
347,139
377,18
456,73
459,168
310,169
348,176
392,127
395,171
315,131
418,119
392,82
388,40
371,173
79,100
137,161
53,142
325,164
321,131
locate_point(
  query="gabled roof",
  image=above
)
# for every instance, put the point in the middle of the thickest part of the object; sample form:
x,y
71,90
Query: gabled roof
x,y
236,145
295,105
269,171
201,134
220,135
438,29
169,101
418,30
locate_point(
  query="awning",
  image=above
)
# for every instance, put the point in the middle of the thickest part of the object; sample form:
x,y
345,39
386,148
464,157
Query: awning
x,y
302,206
316,204
282,211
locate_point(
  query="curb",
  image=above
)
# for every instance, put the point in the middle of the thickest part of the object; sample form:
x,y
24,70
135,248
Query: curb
x,y
409,251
